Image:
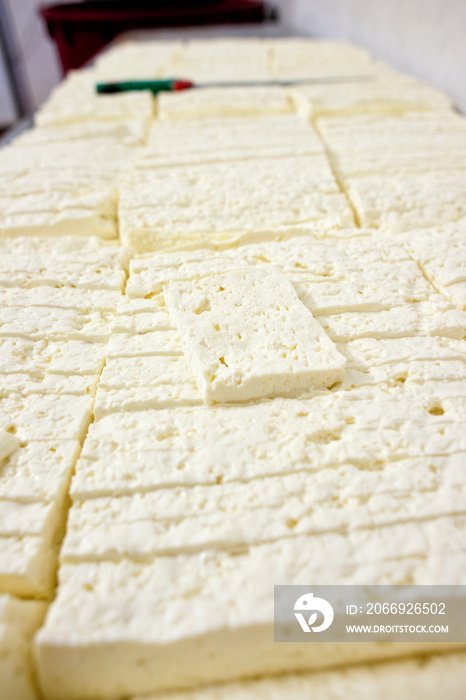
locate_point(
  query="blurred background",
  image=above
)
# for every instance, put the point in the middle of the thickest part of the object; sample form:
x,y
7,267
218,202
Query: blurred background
x,y
423,37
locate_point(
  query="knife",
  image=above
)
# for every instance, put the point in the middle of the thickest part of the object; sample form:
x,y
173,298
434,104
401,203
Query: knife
x,y
175,84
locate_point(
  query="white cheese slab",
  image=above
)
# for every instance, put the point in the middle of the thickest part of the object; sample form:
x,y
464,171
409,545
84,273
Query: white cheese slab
x,y
44,383
370,352
401,203
223,205
241,347
19,620
200,607
158,342
235,515
139,316
52,323
134,383
46,417
39,471
23,519
68,358
435,317
376,288
219,140
95,108
9,443
27,566
300,58
390,93
430,676
302,256
62,297
223,102
71,249
129,452
441,254
33,273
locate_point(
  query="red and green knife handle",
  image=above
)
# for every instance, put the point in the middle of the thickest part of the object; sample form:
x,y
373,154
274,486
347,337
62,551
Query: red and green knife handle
x,y
154,86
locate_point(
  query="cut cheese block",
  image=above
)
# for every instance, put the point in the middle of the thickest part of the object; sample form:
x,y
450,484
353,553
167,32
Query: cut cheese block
x,y
72,249
172,143
61,297
39,471
406,202
223,102
232,516
427,676
418,143
9,443
46,417
22,519
30,272
378,287
212,614
130,131
303,257
68,358
27,566
152,343
49,323
435,317
300,58
441,254
389,93
241,347
130,452
95,108
226,59
229,200
43,383
19,620
139,316
133,383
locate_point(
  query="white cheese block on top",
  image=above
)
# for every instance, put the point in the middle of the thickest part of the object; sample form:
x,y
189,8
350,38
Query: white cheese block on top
x,y
19,620
211,615
428,677
246,335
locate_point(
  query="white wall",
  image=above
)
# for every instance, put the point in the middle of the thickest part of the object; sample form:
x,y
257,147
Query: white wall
x,y
36,58
7,107
424,37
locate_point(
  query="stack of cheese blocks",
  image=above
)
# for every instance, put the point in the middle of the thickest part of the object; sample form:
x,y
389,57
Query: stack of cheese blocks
x,y
232,347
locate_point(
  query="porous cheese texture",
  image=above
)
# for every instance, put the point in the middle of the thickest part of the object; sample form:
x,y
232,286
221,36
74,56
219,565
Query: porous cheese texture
x,y
223,102
429,676
207,624
228,201
19,620
171,144
240,347
172,443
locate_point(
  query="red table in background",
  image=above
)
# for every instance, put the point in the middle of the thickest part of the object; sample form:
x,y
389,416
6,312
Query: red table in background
x,y
80,30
